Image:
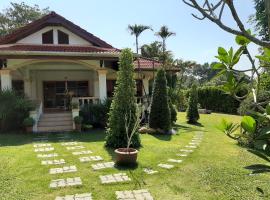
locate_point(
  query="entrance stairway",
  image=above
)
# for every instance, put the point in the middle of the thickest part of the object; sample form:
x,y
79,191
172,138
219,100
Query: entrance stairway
x,y
55,122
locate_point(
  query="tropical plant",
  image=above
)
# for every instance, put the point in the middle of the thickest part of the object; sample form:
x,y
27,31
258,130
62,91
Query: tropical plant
x,y
192,110
229,128
152,50
160,115
124,101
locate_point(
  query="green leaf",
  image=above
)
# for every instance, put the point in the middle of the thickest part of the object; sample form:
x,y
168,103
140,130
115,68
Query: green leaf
x,y
218,66
260,154
263,58
241,40
222,51
248,123
268,109
260,144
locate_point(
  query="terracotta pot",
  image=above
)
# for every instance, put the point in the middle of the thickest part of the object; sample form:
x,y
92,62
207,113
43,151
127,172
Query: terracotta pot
x,y
126,156
29,129
78,127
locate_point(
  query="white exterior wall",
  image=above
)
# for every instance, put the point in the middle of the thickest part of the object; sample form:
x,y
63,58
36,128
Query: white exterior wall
x,y
36,38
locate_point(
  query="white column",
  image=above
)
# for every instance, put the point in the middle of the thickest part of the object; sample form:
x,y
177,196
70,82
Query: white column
x,y
27,84
146,85
6,81
102,84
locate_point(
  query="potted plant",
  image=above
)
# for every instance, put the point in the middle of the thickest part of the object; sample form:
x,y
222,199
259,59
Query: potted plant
x,y
28,124
129,155
78,123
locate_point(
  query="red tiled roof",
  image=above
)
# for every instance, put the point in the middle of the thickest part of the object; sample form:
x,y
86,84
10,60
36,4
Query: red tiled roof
x,y
52,19
58,48
147,64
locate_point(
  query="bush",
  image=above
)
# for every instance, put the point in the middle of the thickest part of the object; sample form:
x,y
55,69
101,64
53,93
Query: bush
x,y
173,113
123,105
192,110
265,81
96,114
29,121
160,115
14,109
78,120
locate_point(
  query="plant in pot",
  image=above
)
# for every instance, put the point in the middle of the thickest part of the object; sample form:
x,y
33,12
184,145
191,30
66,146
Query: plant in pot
x,y
129,155
78,123
28,123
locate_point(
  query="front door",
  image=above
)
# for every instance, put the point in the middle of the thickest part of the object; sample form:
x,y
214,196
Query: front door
x,y
55,93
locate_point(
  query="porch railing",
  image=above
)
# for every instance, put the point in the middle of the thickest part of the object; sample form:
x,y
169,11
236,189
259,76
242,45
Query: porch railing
x,y
85,100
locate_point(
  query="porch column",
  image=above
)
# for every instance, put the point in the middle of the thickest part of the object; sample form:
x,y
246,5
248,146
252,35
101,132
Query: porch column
x,y
27,84
6,81
146,85
102,84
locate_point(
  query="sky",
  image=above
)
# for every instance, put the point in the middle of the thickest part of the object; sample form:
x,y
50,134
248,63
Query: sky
x,y
108,19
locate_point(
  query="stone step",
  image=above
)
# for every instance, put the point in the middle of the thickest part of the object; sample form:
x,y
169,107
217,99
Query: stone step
x,y
54,119
55,123
56,115
55,128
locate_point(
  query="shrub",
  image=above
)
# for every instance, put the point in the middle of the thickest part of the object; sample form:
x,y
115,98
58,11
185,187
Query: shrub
x,y
96,114
160,115
265,81
124,102
173,113
29,121
14,109
78,120
192,110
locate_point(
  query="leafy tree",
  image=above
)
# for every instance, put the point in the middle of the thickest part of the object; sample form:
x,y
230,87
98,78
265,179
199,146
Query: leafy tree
x,y
192,111
18,15
152,50
124,102
160,115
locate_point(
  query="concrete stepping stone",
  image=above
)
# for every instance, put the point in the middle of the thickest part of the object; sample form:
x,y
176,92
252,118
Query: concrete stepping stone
x,y
75,147
65,182
47,155
41,145
90,158
149,171
166,166
175,160
182,155
77,153
53,162
191,146
66,169
84,196
114,178
133,195
186,150
69,143
193,143
103,165
46,149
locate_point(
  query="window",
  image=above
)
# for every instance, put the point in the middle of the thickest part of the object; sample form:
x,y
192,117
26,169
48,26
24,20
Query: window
x,y
47,38
110,87
62,38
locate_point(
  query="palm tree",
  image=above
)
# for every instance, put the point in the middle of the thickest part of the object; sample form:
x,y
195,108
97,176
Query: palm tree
x,y
137,30
164,33
152,50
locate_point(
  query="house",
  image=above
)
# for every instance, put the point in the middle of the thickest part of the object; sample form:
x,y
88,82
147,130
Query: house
x,y
51,56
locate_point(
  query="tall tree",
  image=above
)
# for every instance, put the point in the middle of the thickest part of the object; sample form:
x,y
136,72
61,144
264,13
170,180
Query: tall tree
x,y
152,50
192,110
19,14
164,34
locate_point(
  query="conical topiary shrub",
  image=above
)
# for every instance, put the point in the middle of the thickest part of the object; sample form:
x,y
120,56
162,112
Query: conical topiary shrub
x,y
160,115
192,110
123,104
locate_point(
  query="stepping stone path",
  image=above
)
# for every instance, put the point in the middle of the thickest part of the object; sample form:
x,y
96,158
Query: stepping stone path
x,y
149,171
186,150
69,143
133,195
53,162
175,160
166,166
76,153
65,182
90,158
191,146
46,149
114,178
42,145
85,196
103,165
75,147
62,170
182,155
47,155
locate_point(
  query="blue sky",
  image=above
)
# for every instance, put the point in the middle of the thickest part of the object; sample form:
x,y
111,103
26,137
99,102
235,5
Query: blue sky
x,y
108,19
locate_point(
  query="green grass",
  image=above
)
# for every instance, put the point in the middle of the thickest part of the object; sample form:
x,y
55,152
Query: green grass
x,y
214,171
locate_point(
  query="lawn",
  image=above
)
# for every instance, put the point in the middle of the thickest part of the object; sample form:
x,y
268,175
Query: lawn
x,y
216,170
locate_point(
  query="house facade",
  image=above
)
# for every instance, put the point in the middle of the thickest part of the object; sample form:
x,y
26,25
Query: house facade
x,y
52,56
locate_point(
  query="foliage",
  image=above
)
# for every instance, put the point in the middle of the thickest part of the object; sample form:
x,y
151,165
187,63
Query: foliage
x,y
229,128
192,110
265,81
78,120
124,101
96,114
173,113
13,110
160,115
152,50
29,121
18,15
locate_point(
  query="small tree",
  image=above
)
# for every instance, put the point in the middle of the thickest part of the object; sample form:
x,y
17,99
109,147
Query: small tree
x,y
124,102
160,115
192,111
